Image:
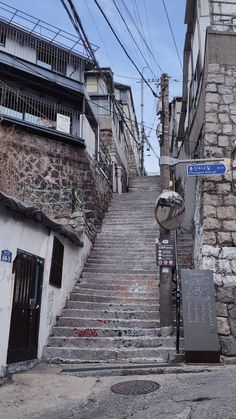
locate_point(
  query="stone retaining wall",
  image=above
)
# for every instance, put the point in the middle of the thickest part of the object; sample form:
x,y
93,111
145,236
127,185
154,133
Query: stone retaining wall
x,y
215,215
34,161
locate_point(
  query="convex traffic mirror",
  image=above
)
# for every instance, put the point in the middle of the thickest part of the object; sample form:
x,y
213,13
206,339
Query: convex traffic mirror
x,y
169,210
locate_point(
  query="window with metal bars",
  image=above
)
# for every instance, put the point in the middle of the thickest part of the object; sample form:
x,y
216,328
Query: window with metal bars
x,y
55,278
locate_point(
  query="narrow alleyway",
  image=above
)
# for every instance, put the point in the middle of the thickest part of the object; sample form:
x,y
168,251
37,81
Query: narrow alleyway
x,y
113,312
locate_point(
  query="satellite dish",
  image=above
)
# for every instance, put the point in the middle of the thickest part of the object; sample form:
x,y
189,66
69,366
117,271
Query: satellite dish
x,y
170,210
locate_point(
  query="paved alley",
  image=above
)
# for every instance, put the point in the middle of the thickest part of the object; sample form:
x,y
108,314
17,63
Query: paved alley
x,y
47,393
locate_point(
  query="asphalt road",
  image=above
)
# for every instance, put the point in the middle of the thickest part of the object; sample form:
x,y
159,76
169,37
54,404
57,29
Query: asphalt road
x,y
47,394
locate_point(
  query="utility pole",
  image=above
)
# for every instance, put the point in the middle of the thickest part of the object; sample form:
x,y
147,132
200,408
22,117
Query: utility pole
x,y
142,139
166,310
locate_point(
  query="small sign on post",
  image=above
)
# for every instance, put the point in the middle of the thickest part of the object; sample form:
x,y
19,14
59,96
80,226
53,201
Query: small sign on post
x,y
201,342
206,169
165,252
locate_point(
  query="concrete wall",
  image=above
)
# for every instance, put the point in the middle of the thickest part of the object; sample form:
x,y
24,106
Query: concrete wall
x,y
20,233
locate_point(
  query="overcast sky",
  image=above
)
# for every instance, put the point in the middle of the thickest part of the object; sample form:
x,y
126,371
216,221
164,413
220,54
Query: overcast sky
x,y
152,22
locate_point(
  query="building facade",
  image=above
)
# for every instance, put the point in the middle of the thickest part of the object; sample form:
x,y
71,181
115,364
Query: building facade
x,y
207,130
49,133
114,107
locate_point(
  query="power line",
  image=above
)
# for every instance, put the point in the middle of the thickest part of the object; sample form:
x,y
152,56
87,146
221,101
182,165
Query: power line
x,y
122,46
123,19
75,19
98,31
172,33
140,34
139,21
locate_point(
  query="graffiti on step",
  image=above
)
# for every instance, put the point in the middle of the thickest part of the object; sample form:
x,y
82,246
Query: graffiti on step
x,y
137,287
102,321
85,333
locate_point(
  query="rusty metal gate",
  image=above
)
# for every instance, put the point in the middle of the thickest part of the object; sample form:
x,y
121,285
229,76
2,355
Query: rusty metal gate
x,y
23,339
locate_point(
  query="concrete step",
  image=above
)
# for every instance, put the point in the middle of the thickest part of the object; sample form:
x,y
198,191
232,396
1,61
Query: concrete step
x,y
104,332
87,354
104,258
112,306
136,291
113,343
122,266
134,270
142,287
109,314
113,276
108,323
112,299
139,264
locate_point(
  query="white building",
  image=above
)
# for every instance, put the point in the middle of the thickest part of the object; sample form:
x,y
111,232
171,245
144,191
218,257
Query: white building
x,y
40,263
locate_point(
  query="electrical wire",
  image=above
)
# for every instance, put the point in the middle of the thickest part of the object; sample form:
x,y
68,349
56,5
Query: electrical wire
x,y
134,40
140,34
76,21
172,33
139,22
122,46
99,33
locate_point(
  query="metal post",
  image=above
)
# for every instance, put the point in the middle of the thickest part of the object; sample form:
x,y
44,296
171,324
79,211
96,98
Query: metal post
x,y
166,310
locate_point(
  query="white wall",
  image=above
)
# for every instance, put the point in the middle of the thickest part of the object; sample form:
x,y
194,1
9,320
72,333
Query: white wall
x,y
32,237
22,51
88,135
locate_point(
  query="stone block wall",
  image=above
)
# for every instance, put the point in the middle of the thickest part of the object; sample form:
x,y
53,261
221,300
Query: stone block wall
x,y
215,215
34,161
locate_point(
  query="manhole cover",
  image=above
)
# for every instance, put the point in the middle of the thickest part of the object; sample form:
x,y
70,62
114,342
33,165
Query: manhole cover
x,y
135,387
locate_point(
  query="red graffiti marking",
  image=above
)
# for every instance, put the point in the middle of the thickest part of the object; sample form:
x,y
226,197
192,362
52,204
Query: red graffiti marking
x,y
85,333
102,321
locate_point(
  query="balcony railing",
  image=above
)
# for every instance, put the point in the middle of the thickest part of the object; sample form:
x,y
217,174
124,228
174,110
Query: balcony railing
x,y
223,14
38,111
38,42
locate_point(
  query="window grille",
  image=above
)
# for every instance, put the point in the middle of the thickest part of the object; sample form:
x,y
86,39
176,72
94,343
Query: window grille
x,y
38,111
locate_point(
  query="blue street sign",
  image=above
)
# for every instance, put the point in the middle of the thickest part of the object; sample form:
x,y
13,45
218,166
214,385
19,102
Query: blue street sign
x,y
6,256
206,169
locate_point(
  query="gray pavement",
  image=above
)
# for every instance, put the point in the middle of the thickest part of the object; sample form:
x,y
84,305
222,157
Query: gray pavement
x,y
47,393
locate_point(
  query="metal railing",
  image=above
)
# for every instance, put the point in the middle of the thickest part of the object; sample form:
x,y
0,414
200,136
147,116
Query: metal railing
x,y
38,111
31,31
54,201
223,14
104,160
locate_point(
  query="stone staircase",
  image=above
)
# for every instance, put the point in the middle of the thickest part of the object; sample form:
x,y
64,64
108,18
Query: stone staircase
x,y
113,311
